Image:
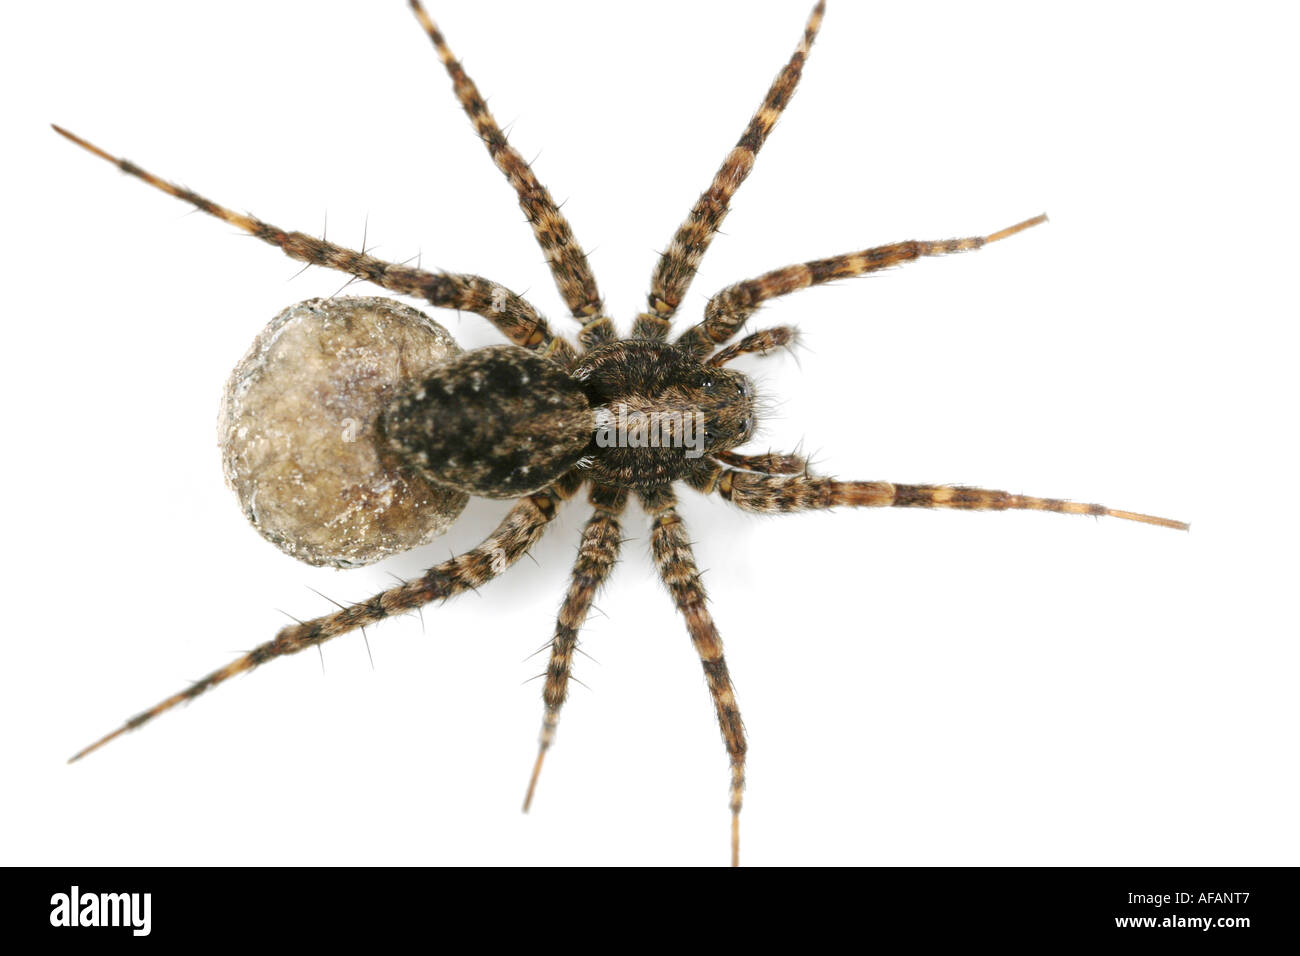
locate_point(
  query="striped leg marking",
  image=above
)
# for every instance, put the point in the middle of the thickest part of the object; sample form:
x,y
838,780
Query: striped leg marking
x,y
518,531
671,549
679,263
728,310
597,555
510,313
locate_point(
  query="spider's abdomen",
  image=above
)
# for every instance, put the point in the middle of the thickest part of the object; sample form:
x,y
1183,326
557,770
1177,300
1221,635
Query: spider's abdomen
x,y
499,422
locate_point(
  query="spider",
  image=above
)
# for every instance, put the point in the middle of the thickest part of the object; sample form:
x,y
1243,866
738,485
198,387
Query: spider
x,y
477,425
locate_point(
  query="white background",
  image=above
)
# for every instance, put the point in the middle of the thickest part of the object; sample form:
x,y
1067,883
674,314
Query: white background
x,y
919,687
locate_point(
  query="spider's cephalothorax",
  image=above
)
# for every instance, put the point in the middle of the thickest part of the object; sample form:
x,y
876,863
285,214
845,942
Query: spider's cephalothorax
x,y
662,410
541,418
501,422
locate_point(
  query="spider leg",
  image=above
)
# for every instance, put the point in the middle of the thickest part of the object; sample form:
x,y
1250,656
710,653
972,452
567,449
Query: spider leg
x,y
510,313
761,342
597,555
678,264
770,494
567,261
769,464
728,310
675,560
518,531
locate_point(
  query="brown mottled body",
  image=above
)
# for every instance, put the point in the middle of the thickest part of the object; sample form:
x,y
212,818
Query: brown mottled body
x,y
633,377
436,420
498,422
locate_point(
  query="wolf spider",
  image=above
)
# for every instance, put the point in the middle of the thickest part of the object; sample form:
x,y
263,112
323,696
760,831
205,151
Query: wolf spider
x,y
544,388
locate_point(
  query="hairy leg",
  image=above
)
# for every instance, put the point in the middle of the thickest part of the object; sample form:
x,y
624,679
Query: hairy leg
x,y
727,311
568,263
769,494
675,560
762,342
769,464
597,555
510,313
517,532
678,264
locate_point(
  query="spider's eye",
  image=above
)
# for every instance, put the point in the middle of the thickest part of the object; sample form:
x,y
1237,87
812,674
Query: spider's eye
x,y
740,388
706,382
